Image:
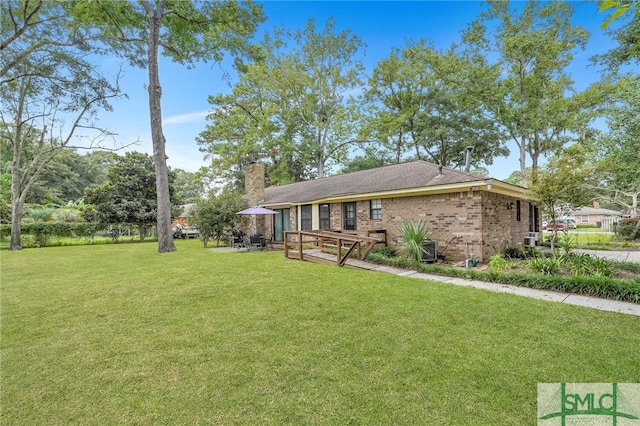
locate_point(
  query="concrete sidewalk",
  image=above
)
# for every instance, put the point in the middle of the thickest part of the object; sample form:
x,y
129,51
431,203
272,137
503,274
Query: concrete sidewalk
x,y
620,256
551,296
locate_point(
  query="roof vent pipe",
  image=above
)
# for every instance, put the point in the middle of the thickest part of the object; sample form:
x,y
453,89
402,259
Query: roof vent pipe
x,y
440,169
467,164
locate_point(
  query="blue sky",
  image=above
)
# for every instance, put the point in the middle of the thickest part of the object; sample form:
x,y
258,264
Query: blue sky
x,y
381,25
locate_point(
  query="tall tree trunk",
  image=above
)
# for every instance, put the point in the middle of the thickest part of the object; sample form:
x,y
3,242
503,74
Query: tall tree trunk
x,y
17,199
16,216
165,236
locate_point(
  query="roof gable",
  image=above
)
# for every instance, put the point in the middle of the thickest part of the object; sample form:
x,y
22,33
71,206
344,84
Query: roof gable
x,y
396,177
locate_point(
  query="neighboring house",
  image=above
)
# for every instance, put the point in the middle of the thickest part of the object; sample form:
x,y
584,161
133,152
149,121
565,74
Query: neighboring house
x,y
594,215
181,219
469,215
180,226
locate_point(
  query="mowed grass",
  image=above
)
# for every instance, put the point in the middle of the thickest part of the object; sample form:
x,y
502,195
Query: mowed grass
x,y
119,334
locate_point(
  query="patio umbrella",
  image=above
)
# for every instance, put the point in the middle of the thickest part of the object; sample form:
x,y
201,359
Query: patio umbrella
x,y
257,210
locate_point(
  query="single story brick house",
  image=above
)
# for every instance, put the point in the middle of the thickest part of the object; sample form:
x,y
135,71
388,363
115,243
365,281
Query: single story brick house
x,y
593,215
469,215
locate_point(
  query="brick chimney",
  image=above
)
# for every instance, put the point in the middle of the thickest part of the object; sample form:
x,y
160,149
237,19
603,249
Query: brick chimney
x,y
254,183
254,192
596,204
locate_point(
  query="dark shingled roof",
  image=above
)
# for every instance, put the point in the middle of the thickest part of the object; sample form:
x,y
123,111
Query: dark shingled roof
x,y
415,174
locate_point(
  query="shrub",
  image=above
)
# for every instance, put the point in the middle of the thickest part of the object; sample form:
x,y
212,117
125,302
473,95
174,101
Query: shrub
x,y
413,234
544,265
586,226
566,241
387,251
498,263
626,226
42,234
516,253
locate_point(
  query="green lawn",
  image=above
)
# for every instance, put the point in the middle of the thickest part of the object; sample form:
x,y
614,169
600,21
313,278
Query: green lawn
x,y
119,334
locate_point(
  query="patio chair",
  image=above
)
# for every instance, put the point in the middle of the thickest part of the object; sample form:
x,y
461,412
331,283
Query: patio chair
x,y
255,242
238,240
267,242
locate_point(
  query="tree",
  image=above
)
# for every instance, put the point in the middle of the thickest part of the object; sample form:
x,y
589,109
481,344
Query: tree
x,y
617,150
414,112
187,32
45,80
188,187
292,107
627,34
129,194
526,88
216,215
561,185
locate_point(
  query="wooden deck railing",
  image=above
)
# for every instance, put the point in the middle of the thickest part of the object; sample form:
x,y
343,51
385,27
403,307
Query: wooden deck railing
x,y
343,244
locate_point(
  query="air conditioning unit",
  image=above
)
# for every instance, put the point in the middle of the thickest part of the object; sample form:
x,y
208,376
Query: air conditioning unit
x,y
430,251
529,241
534,235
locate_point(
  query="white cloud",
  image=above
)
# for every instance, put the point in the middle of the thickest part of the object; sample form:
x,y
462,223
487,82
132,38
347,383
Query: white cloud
x,y
194,117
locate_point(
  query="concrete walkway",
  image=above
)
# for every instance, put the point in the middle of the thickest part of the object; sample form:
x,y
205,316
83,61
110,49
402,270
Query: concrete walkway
x,y
551,296
620,256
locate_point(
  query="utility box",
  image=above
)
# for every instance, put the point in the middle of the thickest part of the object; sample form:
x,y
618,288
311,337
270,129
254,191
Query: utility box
x,y
429,250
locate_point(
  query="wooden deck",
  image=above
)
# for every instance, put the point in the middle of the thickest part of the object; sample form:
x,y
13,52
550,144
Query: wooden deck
x,y
329,247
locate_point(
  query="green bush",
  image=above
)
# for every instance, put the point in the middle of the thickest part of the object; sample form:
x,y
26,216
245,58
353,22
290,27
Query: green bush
x,y
387,251
592,285
413,234
625,227
498,263
516,253
544,265
43,234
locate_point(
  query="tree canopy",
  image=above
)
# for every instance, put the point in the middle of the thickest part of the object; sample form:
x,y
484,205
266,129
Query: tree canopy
x,y
129,194
45,80
184,31
292,106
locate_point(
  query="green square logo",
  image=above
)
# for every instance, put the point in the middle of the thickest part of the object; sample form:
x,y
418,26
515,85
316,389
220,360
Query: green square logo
x,y
567,404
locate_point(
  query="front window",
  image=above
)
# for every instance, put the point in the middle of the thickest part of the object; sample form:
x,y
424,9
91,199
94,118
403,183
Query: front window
x,y
325,216
584,218
306,221
349,216
376,209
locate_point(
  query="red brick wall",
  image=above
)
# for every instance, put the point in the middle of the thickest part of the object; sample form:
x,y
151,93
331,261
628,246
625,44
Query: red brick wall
x,y
471,223
464,223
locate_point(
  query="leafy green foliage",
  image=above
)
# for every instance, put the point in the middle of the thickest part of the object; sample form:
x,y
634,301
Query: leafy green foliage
x,y
216,216
626,228
290,108
413,235
627,35
417,108
45,74
523,84
567,241
544,265
44,234
561,186
498,263
618,178
128,196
